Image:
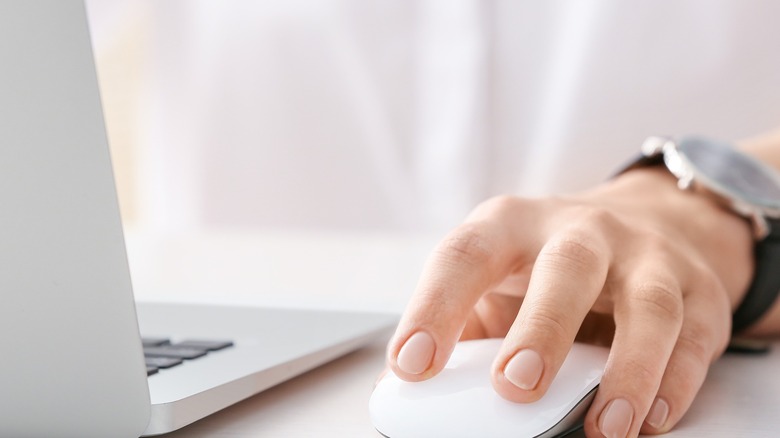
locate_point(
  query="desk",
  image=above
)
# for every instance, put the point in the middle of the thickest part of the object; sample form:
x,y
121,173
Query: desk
x,y
739,399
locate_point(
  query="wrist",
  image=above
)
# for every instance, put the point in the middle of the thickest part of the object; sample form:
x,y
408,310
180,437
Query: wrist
x,y
722,239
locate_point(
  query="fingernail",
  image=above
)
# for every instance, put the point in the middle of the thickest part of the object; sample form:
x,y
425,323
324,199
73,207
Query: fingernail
x,y
658,413
416,354
616,419
524,369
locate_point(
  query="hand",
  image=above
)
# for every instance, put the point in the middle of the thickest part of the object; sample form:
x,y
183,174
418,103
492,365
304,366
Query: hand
x,y
636,264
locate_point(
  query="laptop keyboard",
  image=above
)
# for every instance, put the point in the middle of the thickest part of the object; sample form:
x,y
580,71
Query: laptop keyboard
x,y
161,353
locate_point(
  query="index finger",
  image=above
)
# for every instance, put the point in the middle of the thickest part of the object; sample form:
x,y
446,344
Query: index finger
x,y
468,262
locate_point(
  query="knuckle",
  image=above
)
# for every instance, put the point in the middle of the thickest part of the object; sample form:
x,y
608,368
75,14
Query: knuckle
x,y
709,283
434,307
500,205
697,340
662,298
598,216
686,382
434,299
593,221
643,373
716,302
696,349
548,326
655,241
573,252
658,245
469,244
684,376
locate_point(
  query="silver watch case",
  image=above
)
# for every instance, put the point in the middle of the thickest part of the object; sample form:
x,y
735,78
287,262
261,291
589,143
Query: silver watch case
x,y
735,180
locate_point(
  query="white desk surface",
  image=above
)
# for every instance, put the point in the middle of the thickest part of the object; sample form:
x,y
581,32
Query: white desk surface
x,y
739,398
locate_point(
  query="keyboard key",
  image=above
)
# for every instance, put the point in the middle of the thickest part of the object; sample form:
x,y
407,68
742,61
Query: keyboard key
x,y
160,353
204,345
162,362
171,351
154,342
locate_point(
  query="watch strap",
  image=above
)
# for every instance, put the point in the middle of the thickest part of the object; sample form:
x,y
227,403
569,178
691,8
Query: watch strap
x,y
637,161
765,287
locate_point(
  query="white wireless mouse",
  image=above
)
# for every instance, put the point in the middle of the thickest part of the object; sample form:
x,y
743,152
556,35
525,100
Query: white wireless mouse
x,y
460,401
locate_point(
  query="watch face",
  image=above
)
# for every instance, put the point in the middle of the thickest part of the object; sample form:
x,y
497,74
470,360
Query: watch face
x,y
732,173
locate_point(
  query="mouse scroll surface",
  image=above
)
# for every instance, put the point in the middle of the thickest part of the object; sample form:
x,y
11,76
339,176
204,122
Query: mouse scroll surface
x,y
460,401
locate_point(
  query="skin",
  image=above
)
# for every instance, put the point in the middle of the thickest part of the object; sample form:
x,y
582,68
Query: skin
x,y
635,264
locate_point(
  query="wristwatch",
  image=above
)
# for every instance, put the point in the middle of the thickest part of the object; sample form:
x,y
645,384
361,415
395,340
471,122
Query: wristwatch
x,y
740,183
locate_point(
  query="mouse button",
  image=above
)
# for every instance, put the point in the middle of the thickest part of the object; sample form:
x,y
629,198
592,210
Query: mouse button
x,y
402,409
525,419
468,368
478,411
579,374
584,362
447,383
474,353
592,354
466,372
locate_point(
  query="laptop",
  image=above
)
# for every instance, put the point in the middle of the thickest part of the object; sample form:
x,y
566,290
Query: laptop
x,y
71,333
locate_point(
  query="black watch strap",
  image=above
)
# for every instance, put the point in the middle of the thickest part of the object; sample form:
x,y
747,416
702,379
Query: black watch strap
x,y
765,287
639,160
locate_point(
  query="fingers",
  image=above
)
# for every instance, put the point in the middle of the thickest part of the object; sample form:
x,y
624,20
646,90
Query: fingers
x,y
566,279
472,259
664,343
668,312
648,317
702,339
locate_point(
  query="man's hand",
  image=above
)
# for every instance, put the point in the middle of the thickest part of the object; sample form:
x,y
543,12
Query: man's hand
x,y
637,264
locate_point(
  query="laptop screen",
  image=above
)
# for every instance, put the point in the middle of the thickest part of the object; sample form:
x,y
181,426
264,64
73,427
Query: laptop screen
x,y
67,321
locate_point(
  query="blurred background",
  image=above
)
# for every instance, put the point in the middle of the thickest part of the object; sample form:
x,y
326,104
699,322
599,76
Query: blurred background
x,y
390,117
402,115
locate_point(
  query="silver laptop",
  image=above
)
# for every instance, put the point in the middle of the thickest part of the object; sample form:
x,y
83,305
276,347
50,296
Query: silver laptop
x,y
72,357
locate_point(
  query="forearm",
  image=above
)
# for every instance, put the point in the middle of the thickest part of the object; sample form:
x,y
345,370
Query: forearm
x,y
765,147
